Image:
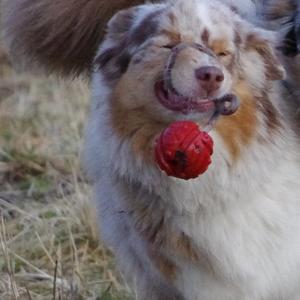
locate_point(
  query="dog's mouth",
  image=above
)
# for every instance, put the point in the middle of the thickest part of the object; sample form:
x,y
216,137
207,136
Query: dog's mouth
x,y
225,105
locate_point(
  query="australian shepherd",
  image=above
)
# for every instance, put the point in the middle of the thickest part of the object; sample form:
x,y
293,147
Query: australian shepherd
x,y
233,233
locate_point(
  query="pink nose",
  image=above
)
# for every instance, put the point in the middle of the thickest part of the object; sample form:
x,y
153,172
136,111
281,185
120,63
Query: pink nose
x,y
210,78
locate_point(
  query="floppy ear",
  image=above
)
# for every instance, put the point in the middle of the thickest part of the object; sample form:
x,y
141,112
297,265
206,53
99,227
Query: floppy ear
x,y
264,42
125,32
120,24
114,59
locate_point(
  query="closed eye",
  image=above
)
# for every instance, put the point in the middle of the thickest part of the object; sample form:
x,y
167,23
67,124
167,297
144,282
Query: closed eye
x,y
169,46
224,53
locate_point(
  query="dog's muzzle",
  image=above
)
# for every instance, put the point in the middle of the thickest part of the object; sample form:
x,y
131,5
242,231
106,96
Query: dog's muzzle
x,y
169,97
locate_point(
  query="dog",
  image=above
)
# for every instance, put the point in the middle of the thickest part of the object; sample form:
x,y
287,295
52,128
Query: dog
x,y
234,232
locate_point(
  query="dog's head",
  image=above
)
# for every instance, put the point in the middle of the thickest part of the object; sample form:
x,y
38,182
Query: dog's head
x,y
178,59
181,59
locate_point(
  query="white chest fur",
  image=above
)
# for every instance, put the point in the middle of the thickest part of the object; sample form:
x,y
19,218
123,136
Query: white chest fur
x,y
248,227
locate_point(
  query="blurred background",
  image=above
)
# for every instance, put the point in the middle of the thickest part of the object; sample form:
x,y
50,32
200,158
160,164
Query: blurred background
x,y
49,240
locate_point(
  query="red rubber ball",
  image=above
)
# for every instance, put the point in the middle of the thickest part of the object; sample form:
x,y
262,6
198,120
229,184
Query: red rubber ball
x,y
184,151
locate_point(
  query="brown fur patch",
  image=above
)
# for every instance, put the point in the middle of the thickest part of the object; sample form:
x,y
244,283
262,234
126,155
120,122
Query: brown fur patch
x,y
239,129
272,118
150,222
205,36
164,265
274,69
183,245
174,36
136,127
62,35
219,46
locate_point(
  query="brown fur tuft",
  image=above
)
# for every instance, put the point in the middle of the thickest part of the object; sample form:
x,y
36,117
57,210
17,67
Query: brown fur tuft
x,y
62,35
238,130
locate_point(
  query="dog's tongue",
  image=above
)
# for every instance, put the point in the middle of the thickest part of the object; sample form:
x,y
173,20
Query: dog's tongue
x,y
184,151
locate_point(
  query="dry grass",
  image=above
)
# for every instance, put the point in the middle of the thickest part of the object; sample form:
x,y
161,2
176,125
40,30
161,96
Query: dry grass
x,y
49,247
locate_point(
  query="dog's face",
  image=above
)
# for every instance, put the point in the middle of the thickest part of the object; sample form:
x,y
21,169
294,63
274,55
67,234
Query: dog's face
x,y
180,59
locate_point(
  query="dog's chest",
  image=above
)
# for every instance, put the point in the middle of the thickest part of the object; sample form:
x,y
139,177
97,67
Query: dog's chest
x,y
240,231
241,247
240,252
